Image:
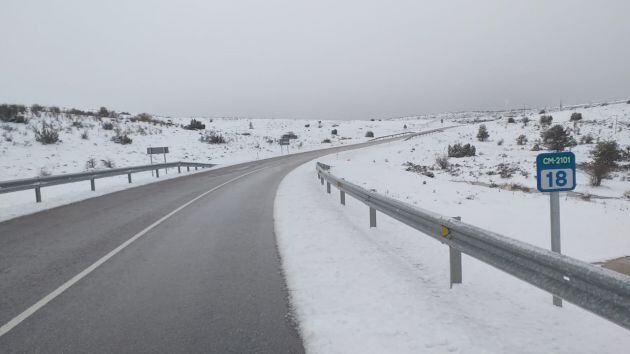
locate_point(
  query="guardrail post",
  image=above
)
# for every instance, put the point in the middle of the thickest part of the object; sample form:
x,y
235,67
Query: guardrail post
x,y
328,187
372,217
38,194
92,184
179,169
187,168
129,177
342,197
455,260
157,172
322,180
195,168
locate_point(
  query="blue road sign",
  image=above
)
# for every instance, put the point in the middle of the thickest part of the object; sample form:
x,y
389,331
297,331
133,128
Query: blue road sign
x,y
555,171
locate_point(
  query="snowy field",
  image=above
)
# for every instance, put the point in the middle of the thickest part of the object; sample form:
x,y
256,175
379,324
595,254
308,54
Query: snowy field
x,y
357,289
85,145
386,290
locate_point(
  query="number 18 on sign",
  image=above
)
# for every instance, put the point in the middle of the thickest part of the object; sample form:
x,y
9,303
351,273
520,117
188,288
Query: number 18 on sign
x,y
555,174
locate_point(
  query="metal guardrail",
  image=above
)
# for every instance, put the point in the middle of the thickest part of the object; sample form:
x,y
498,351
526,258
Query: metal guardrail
x,y
601,291
45,181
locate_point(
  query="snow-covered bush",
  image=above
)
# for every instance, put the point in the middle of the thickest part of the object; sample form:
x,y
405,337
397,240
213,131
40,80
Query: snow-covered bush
x,y
212,137
575,116
511,120
108,126
459,150
326,141
12,113
586,139
121,138
546,120
442,161
196,125
369,134
48,134
521,140
108,163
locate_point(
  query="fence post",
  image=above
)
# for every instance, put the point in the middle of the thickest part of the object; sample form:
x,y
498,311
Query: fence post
x,y
187,168
455,260
179,169
372,217
157,172
129,177
195,168
38,194
342,196
328,187
92,184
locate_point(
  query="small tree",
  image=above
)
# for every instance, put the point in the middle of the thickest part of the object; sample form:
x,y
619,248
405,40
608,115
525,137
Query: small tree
x,y
555,138
103,112
605,157
483,134
333,132
521,140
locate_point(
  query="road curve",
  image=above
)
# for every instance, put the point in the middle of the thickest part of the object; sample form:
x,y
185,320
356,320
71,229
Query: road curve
x,y
205,279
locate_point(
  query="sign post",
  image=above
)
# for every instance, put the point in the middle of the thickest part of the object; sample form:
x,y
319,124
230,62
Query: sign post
x,y
555,173
284,141
157,150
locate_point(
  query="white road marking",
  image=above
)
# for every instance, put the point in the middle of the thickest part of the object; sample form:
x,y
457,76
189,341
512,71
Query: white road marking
x,y
46,299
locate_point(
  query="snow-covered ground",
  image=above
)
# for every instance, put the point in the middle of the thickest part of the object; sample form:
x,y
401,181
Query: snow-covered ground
x,y
357,289
385,290
21,156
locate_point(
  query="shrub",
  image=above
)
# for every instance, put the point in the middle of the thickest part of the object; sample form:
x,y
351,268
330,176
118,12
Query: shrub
x,y
571,142
546,120
103,112
108,126
48,134
333,132
586,139
251,125
605,157
542,111
482,134
90,163
369,134
77,124
405,126
555,138
109,163
12,113
54,110
85,135
326,141
306,125
195,125
459,150
121,138
442,161
511,120
144,117
36,109
575,116
525,120
521,140
536,147
500,142
212,138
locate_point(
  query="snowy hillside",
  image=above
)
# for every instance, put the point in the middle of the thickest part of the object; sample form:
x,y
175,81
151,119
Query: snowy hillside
x,y
87,138
496,189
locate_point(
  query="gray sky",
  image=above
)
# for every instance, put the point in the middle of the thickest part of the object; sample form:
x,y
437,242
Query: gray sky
x,y
312,59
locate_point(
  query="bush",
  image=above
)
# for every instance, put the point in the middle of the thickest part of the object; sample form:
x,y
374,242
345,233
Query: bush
x,y
542,111
54,110
36,109
459,150
405,126
251,125
333,132
121,138
108,126
77,124
90,163
442,161
555,138
546,120
48,134
306,125
103,112
586,139
109,163
605,157
85,135
482,134
536,147
326,141
525,120
521,140
212,138
571,142
369,134
195,125
511,120
12,113
500,142
575,116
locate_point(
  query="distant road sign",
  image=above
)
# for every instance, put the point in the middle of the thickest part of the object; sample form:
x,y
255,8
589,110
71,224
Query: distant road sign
x,y
284,141
555,172
157,150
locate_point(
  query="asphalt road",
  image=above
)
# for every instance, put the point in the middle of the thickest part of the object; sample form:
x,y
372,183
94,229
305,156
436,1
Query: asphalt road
x,y
206,279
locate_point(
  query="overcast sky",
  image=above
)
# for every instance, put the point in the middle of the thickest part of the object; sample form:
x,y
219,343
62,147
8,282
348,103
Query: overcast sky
x,y
313,59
